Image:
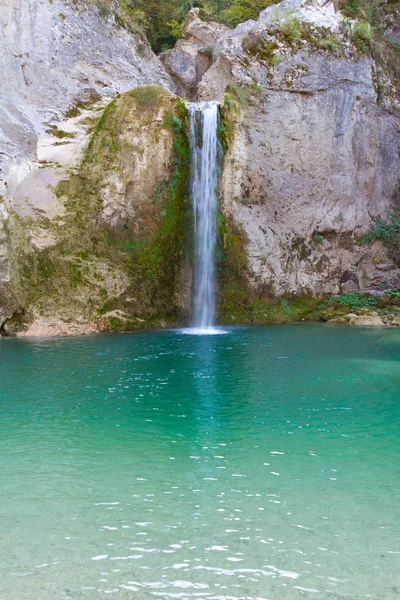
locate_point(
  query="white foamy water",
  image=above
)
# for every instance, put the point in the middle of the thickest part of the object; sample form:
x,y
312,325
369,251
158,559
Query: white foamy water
x,y
203,331
204,147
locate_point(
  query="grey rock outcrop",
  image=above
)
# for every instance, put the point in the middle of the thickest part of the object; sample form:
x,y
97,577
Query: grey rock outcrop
x,y
192,56
56,56
103,251
314,160
306,177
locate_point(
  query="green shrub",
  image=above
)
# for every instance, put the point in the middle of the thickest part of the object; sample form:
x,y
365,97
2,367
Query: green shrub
x,y
104,9
352,301
331,44
389,231
362,36
206,51
176,29
369,10
351,8
290,29
236,11
147,97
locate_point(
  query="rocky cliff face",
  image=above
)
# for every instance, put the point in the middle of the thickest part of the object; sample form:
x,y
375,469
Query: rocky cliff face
x,y
57,55
110,255
57,59
94,216
313,156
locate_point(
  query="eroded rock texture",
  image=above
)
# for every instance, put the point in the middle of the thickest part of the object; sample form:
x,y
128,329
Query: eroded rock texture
x,y
307,175
313,159
56,56
110,257
94,214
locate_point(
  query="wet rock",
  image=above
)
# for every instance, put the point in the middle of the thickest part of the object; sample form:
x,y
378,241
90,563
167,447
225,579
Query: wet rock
x,y
53,327
366,321
393,320
339,320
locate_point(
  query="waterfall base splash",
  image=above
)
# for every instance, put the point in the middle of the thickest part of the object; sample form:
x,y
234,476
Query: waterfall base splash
x,y
203,331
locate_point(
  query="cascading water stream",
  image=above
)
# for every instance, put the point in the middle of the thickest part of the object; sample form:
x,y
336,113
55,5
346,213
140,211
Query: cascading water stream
x,y
204,147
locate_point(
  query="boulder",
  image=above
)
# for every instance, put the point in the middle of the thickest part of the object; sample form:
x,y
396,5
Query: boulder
x,y
366,321
192,56
393,320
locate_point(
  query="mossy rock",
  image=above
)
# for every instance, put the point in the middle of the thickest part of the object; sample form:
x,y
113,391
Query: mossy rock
x,y
94,263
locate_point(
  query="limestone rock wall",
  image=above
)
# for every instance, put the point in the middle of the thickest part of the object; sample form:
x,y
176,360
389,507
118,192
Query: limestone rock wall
x,y
110,255
307,175
314,145
94,213
55,56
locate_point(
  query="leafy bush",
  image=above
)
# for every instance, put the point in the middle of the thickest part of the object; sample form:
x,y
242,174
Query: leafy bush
x,y
161,20
389,231
362,36
352,301
369,10
290,29
176,29
331,44
104,9
233,12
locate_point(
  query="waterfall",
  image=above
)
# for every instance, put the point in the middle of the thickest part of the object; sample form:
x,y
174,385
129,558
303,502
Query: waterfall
x,y
204,147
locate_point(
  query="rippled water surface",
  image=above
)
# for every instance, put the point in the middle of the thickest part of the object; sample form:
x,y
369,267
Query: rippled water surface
x,y
260,464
